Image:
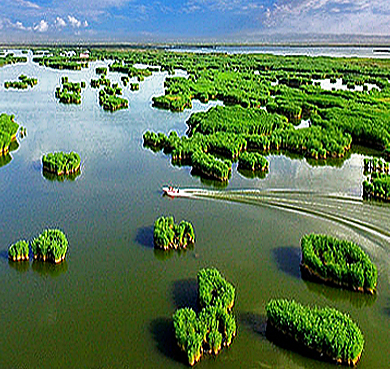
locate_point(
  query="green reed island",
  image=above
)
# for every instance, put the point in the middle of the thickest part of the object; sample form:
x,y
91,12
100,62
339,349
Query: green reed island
x,y
61,163
214,326
22,83
326,331
168,235
8,130
337,262
69,92
19,251
51,245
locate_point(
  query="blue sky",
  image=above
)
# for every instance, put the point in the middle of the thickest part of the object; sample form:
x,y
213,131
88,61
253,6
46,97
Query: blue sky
x,y
187,20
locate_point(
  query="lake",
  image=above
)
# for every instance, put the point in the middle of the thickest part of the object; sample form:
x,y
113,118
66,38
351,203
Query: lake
x,y
109,305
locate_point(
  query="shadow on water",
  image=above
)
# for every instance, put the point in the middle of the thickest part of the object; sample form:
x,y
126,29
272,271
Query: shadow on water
x,y
167,254
288,260
164,335
185,293
144,237
331,293
4,254
253,322
46,269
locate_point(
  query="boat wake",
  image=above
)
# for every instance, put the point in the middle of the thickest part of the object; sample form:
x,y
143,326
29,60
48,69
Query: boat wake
x,y
350,211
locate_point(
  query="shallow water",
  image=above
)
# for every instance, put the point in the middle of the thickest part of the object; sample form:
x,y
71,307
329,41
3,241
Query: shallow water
x,y
110,304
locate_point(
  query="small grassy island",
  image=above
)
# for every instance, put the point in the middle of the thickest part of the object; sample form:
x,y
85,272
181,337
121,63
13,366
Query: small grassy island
x,y
109,97
324,330
214,326
168,235
51,245
337,262
8,130
18,251
61,163
377,185
69,92
22,83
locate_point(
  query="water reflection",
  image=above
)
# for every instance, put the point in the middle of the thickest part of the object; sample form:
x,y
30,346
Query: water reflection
x,y
168,254
46,269
332,294
20,266
56,178
250,174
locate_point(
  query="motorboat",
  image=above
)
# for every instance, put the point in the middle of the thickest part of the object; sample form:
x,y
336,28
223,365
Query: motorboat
x,y
171,191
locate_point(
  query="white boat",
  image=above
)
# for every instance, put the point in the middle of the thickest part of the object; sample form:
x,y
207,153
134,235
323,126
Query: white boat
x,y
171,191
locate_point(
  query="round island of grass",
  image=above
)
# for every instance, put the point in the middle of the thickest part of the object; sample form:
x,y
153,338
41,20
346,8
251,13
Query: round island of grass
x,y
326,331
168,235
61,163
18,251
337,262
51,245
214,326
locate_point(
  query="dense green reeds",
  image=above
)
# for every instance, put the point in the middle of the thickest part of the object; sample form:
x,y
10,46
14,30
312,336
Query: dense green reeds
x,y
339,262
19,251
214,326
325,330
22,83
8,130
51,245
69,92
169,235
61,163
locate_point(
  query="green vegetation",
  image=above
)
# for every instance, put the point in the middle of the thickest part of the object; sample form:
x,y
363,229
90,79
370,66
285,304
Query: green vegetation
x,y
61,163
8,130
11,59
70,93
18,251
169,235
101,70
377,184
109,99
339,262
253,161
61,59
51,245
214,326
22,83
134,86
325,330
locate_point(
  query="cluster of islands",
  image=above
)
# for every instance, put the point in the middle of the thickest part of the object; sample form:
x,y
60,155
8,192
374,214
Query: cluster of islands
x,y
265,99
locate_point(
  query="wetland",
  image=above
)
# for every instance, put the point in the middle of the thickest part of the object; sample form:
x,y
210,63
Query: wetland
x,y
110,303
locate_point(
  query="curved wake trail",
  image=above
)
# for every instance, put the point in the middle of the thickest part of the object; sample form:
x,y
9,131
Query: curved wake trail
x,y
371,218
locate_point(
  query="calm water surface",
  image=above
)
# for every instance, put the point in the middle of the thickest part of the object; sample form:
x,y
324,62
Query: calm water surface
x,y
110,304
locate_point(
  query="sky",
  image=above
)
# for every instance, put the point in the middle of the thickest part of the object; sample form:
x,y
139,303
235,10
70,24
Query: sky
x,y
188,20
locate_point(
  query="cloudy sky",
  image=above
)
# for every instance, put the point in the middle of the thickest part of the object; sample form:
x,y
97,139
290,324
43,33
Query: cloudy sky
x,y
187,20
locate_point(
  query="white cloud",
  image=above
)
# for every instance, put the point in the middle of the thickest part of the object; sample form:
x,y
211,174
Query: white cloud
x,y
74,22
59,22
42,26
27,4
329,16
85,24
